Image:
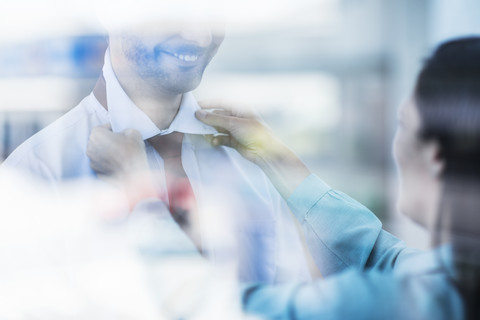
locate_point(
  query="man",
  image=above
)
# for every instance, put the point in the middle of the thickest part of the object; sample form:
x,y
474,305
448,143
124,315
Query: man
x,y
150,68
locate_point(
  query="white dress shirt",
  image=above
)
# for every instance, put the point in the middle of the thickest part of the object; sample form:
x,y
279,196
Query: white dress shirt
x,y
239,210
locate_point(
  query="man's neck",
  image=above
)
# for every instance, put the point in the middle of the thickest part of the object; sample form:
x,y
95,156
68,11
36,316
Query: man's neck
x,y
160,106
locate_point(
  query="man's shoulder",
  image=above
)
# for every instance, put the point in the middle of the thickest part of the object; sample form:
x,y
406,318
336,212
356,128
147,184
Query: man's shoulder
x,y
62,142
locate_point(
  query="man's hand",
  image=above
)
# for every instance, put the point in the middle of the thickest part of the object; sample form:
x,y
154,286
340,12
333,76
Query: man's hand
x,y
121,159
116,154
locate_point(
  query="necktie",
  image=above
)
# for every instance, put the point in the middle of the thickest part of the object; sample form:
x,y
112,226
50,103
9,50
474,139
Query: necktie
x,y
181,198
180,193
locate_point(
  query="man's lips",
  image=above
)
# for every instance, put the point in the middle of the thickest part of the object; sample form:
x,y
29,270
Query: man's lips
x,y
184,54
184,57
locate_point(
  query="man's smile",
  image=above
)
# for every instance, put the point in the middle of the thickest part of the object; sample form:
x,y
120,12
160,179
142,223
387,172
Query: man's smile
x,y
185,55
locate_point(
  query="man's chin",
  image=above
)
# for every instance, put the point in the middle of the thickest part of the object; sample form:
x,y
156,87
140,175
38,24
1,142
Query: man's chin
x,y
181,89
172,86
181,86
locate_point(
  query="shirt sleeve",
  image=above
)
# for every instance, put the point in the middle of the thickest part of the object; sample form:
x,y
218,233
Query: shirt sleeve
x,y
347,296
355,295
422,292
340,232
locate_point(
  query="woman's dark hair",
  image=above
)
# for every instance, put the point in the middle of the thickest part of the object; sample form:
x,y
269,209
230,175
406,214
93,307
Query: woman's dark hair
x,y
447,95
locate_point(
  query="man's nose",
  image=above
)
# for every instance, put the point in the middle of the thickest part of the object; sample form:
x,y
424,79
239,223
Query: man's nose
x,y
198,32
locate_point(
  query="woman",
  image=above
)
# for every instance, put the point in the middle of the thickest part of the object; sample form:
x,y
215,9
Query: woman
x,y
368,272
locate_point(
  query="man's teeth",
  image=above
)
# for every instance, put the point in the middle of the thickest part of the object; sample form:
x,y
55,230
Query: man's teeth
x,y
186,57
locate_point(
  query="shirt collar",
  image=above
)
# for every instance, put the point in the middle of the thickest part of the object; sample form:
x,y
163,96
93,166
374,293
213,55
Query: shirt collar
x,y
124,114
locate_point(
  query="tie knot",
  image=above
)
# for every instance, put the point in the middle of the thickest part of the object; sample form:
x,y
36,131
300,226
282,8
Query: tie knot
x,y
168,145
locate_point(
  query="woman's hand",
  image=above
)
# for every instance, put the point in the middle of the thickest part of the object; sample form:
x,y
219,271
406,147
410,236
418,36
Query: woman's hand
x,y
242,131
245,132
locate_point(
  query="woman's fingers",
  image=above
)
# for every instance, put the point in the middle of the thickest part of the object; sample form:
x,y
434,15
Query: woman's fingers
x,y
228,109
214,119
222,107
221,139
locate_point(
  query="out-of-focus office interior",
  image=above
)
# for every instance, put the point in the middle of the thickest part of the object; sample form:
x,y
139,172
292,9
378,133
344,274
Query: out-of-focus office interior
x,y
327,75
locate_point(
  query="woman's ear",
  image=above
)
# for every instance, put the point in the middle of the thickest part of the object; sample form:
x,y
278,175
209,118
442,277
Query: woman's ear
x,y
433,158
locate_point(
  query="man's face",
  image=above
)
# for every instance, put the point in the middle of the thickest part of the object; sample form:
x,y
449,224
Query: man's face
x,y
170,55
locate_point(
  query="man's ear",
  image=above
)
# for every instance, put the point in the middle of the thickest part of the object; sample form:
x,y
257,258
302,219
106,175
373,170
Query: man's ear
x,y
433,158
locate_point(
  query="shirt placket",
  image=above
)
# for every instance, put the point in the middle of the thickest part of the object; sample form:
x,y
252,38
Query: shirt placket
x,y
156,164
190,165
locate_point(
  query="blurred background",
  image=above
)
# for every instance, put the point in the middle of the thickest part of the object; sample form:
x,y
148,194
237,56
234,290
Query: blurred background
x,y
327,75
